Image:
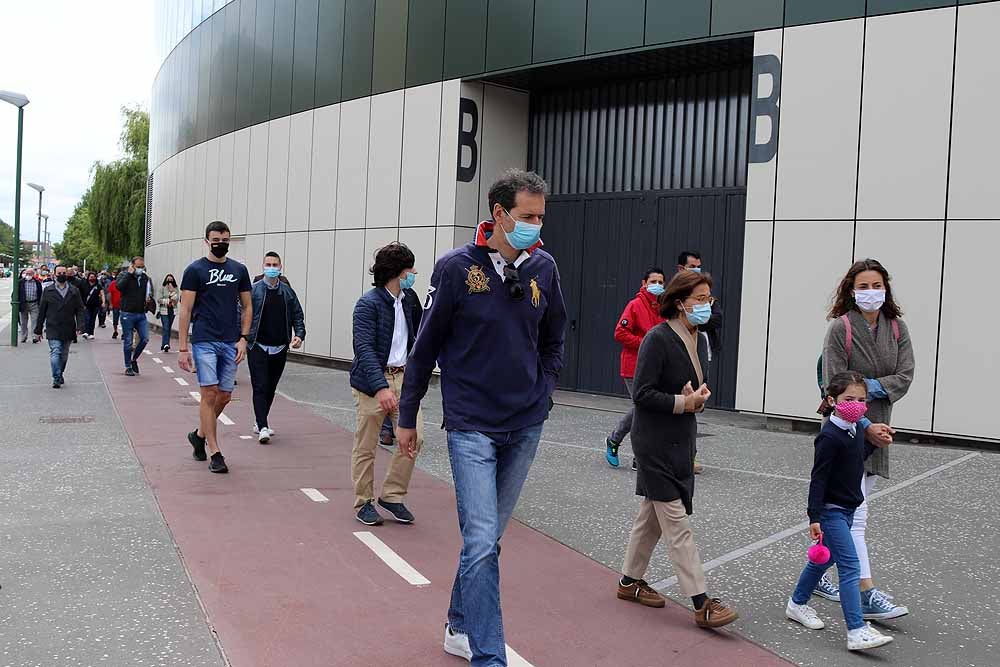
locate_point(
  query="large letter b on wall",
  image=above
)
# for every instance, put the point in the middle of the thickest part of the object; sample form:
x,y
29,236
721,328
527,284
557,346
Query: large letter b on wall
x,y
765,65
467,139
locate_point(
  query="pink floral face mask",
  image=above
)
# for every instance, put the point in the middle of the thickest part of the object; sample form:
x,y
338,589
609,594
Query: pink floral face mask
x,y
851,411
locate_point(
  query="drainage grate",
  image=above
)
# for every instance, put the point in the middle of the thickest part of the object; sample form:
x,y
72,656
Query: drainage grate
x,y
82,419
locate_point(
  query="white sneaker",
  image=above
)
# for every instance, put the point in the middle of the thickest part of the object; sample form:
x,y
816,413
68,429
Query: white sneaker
x,y
255,429
804,614
866,637
456,643
265,436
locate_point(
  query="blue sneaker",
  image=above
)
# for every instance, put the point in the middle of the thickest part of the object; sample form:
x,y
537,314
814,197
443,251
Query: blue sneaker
x,y
611,453
878,606
397,510
827,589
368,515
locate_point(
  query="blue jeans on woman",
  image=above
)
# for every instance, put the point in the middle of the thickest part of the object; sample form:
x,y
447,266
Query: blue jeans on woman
x,y
836,526
489,470
167,321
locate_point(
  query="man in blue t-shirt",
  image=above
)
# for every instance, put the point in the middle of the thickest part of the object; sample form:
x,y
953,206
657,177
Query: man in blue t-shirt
x,y
211,290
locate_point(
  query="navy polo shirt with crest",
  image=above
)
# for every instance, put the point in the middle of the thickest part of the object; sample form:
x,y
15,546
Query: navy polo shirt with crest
x,y
499,357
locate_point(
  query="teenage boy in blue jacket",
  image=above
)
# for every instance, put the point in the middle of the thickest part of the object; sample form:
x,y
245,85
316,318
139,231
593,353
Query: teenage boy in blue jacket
x,y
386,320
494,321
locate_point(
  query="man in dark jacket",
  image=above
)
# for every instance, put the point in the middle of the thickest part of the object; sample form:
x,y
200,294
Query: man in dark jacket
x,y
278,322
494,321
133,285
386,320
60,313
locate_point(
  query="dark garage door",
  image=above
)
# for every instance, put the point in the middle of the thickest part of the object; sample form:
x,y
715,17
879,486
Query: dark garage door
x,y
603,244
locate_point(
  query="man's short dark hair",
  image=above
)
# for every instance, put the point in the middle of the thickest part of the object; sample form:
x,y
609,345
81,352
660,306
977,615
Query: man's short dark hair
x,y
682,259
271,253
390,261
651,270
138,257
216,226
504,190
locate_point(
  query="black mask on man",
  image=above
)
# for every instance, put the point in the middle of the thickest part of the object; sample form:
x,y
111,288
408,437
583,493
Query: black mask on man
x,y
62,277
220,249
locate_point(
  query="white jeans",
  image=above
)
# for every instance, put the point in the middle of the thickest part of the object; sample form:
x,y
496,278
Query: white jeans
x,y
861,523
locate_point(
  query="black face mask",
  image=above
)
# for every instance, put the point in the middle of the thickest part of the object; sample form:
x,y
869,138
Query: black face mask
x,y
62,277
220,249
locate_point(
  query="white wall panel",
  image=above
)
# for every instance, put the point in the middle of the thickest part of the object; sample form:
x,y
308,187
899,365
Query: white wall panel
x,y
211,180
820,108
761,176
299,171
421,241
374,239
197,219
323,179
753,316
253,253
349,257
421,153
241,182
905,115
968,360
318,293
447,182
467,193
257,183
185,201
272,242
277,174
504,144
445,240
294,262
915,269
224,202
385,146
803,282
352,170
975,140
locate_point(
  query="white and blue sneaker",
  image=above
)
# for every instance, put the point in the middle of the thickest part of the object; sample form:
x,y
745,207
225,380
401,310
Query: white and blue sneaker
x,y
825,588
878,606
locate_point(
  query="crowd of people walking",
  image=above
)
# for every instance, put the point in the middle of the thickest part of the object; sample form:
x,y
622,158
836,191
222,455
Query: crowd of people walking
x,y
493,322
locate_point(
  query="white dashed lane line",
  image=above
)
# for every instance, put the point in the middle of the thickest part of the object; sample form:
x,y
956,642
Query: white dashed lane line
x,y
158,360
392,559
315,495
181,381
167,369
246,437
147,352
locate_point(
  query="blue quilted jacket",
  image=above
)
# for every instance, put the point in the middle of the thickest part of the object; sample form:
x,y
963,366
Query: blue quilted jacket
x,y
374,318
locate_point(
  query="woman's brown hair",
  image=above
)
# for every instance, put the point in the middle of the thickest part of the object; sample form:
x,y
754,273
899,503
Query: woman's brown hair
x,y
680,287
843,298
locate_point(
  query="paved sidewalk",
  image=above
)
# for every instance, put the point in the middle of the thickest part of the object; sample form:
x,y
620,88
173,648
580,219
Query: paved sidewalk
x,y
90,573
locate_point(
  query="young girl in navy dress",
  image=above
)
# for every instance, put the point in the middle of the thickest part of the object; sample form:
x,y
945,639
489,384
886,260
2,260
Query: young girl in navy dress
x,y
834,494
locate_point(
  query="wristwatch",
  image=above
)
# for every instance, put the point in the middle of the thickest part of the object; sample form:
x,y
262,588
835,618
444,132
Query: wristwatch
x,y
245,337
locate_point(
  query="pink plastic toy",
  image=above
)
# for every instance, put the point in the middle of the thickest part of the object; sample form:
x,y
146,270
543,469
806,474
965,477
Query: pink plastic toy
x,y
818,554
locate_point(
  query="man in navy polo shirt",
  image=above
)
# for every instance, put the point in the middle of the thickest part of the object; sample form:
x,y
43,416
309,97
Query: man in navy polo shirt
x,y
493,320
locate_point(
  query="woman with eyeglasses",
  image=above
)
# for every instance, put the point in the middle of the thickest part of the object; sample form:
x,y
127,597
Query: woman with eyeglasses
x,y
669,367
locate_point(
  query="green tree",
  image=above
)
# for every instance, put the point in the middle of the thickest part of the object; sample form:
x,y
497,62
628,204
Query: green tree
x,y
79,241
7,245
117,197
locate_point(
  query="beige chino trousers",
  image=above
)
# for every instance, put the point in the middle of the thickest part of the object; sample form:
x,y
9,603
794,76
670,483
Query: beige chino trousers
x,y
657,518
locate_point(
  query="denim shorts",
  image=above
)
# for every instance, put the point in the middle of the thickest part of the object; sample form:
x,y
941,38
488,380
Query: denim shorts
x,y
216,364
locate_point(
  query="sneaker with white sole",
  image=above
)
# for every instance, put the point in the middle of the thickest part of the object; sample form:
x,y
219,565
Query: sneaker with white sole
x,y
256,430
804,615
878,606
264,436
825,588
457,643
866,637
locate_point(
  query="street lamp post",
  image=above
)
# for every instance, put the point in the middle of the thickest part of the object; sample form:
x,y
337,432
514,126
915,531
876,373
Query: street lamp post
x,y
38,237
20,101
45,237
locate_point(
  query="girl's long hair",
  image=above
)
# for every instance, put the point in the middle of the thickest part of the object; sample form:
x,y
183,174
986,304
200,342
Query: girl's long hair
x,y
843,299
838,385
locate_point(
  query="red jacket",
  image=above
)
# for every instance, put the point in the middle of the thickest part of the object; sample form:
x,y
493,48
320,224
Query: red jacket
x,y
640,315
116,296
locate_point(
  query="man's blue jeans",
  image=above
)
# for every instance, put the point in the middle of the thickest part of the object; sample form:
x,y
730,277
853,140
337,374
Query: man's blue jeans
x,y
58,356
138,322
836,526
489,470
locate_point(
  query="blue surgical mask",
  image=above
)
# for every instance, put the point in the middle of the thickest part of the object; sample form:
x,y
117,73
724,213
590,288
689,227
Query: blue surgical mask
x,y
271,272
524,235
656,289
696,269
700,314
139,271
407,281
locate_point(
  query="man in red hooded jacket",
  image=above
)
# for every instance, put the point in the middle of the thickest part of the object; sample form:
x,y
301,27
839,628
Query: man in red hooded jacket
x,y
641,314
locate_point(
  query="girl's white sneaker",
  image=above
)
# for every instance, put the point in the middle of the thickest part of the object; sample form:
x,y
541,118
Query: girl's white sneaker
x,y
866,637
804,614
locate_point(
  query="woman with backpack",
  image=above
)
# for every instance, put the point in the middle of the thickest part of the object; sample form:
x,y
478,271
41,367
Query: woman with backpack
x,y
866,335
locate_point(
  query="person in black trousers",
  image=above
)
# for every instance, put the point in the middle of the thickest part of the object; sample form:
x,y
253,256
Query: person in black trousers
x,y
278,322
94,303
60,313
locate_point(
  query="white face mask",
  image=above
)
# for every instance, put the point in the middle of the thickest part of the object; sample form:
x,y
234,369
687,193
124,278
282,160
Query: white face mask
x,y
869,300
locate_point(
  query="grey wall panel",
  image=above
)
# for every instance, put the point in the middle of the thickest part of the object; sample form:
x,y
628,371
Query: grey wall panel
x,y
670,20
330,51
216,84
465,38
230,68
260,106
204,82
730,16
425,41
508,41
282,52
800,12
655,134
389,59
877,7
560,29
244,63
359,36
304,57
615,24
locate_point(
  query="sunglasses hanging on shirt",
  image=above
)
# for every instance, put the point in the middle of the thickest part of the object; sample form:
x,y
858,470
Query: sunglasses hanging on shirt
x,y
512,279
